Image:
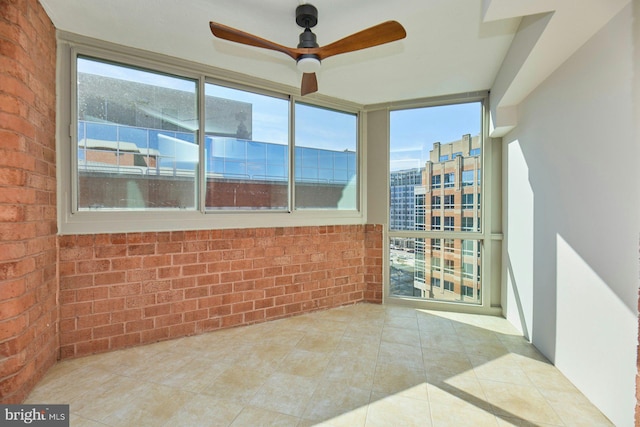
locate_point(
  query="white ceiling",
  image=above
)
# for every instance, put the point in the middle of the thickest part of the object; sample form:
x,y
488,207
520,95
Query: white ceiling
x,y
452,46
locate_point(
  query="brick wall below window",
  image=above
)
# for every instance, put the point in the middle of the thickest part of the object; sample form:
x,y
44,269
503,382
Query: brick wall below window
x,y
122,290
373,263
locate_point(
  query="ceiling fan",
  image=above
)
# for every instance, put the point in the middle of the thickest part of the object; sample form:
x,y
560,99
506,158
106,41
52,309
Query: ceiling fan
x,y
308,54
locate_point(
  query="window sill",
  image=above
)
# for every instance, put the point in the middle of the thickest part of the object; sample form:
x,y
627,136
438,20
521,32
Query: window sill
x,y
126,222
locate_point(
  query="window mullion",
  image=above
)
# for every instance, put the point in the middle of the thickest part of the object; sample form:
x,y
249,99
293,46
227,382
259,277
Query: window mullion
x,y
292,156
202,169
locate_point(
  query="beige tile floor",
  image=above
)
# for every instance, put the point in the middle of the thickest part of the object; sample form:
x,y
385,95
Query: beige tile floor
x,y
363,365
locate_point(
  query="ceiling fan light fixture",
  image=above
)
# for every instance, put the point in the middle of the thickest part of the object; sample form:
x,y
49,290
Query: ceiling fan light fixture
x,y
308,64
308,54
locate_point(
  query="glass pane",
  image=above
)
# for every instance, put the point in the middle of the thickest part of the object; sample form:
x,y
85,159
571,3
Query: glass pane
x,y
431,269
326,145
402,267
137,138
435,166
246,154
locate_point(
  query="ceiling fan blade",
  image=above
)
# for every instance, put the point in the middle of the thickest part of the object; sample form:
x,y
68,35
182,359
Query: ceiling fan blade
x,y
309,83
238,36
386,32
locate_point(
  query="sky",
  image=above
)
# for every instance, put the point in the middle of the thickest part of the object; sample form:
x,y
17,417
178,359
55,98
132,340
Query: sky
x,y
412,131
316,127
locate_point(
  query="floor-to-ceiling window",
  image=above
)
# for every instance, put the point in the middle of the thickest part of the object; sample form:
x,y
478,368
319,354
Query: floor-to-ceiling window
x,y
437,254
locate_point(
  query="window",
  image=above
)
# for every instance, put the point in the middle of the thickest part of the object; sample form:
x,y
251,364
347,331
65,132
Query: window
x,y
435,202
419,251
467,201
449,180
449,266
449,201
419,212
246,166
435,244
137,139
474,152
448,245
467,224
419,218
164,144
467,291
449,223
467,270
435,223
442,180
325,159
467,178
467,247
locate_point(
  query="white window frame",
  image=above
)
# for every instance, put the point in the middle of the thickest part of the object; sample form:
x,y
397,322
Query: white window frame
x,y
71,221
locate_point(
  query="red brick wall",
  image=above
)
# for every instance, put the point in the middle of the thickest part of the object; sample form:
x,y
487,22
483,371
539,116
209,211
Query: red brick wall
x,y
104,292
373,263
28,280
121,290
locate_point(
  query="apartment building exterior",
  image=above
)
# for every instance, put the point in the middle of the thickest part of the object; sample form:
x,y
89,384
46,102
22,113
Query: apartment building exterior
x,y
402,187
446,198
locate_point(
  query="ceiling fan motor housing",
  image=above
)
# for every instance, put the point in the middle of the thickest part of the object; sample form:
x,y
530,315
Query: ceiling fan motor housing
x,y
307,39
307,17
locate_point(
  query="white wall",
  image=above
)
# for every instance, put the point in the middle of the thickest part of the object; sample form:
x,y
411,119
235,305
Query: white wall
x,y
571,220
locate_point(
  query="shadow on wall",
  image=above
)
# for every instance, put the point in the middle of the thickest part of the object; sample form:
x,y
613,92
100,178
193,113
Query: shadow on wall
x,y
518,300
